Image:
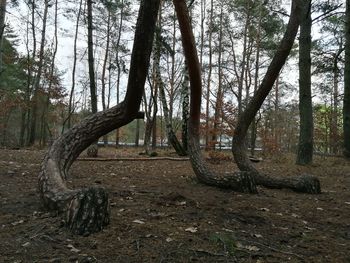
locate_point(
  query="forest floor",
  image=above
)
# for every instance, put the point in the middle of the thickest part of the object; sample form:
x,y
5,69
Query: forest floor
x,y
160,213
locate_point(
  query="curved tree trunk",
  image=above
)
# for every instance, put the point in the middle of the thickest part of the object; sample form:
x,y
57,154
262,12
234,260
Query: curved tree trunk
x,y
87,210
308,184
239,181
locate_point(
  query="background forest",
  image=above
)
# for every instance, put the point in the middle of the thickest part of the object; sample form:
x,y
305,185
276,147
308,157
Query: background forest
x,y
63,60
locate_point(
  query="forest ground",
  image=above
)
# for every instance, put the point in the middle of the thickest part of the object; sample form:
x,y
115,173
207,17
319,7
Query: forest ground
x,y
160,213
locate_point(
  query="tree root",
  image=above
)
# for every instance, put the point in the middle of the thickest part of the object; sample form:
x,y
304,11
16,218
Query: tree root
x,y
242,182
304,183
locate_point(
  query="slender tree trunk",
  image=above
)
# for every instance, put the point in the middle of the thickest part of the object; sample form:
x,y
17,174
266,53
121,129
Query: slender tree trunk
x,y
154,131
44,122
105,60
91,61
87,210
71,94
172,77
207,110
104,67
118,63
334,111
172,139
219,94
243,64
203,12
304,183
346,102
185,93
151,114
2,29
256,79
5,127
25,108
137,133
276,132
93,149
37,79
305,146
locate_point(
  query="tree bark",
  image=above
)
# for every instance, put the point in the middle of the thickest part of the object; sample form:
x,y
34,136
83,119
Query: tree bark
x,y
185,94
334,139
346,102
305,146
239,181
87,210
308,184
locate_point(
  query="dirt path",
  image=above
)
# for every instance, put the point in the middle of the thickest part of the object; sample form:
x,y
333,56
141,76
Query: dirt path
x,y
160,213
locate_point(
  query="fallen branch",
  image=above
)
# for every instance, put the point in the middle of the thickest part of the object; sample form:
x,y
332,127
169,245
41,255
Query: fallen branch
x,y
134,159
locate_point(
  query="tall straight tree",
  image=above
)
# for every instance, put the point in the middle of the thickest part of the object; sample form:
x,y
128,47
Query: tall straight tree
x,y
70,105
305,147
2,27
93,150
346,107
37,79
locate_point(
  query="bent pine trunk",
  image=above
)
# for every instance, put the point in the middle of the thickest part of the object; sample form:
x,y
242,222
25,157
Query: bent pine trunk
x,y
87,210
303,183
239,181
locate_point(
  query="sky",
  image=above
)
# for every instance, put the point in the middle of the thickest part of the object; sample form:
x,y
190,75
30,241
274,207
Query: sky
x,y
64,60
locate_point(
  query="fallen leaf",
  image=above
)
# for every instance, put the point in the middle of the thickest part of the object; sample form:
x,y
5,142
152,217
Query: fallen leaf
x,y
169,239
17,222
26,244
250,248
191,229
72,248
137,221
